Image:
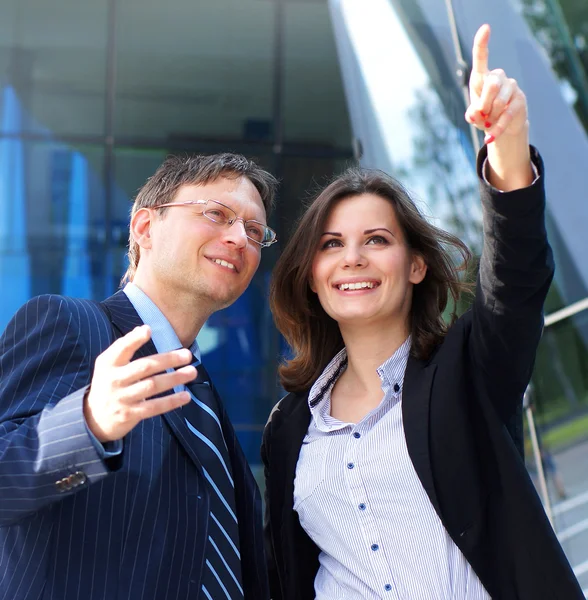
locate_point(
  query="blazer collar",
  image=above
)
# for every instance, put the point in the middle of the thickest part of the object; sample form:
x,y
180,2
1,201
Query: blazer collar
x,y
287,449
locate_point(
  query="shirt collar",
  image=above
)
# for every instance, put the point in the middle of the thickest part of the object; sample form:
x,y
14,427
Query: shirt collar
x,y
163,335
391,373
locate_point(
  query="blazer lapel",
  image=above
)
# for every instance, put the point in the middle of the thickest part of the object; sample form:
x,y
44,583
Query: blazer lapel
x,y
287,450
124,318
416,398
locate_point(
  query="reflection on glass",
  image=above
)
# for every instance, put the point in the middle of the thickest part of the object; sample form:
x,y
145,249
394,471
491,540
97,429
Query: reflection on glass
x,y
14,257
315,109
409,116
195,69
560,383
56,60
561,26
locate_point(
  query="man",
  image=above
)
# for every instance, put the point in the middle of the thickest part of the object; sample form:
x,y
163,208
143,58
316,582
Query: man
x,y
120,474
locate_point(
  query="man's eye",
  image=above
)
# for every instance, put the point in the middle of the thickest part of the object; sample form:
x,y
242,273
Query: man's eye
x,y
255,232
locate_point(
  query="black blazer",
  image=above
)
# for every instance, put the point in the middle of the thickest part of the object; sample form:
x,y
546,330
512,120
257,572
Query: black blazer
x,y
462,412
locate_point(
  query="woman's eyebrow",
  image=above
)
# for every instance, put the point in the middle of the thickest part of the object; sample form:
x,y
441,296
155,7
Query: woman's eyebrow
x,y
368,231
335,233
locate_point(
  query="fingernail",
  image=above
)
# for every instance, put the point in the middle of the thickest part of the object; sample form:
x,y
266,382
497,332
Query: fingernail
x,y
489,138
487,124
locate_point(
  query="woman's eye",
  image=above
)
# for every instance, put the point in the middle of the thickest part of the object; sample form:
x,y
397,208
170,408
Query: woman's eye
x,y
377,239
333,243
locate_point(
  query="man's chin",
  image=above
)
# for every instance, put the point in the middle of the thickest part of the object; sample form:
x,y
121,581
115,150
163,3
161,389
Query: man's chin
x,y
223,300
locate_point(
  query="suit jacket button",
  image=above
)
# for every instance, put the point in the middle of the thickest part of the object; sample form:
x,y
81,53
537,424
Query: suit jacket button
x,y
81,477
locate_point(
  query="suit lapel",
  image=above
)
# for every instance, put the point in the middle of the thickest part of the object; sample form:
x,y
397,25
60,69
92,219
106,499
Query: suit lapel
x,y
416,398
124,318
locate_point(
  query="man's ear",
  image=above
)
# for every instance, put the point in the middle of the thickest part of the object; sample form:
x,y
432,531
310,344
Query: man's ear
x,y
418,269
140,227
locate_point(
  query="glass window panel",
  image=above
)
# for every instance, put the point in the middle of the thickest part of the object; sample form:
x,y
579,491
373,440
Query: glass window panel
x,y
54,57
410,123
195,69
560,409
561,26
51,211
315,109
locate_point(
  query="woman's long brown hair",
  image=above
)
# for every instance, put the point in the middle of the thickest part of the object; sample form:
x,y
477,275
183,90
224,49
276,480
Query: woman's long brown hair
x,y
313,336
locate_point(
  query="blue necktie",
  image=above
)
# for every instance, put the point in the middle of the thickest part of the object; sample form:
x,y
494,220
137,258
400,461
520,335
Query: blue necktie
x,y
221,577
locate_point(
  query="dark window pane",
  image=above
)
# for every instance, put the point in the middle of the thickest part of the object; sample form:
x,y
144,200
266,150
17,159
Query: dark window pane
x,y
195,69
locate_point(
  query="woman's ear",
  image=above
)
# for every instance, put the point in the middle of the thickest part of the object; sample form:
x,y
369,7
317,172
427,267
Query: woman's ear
x,y
311,284
418,269
141,227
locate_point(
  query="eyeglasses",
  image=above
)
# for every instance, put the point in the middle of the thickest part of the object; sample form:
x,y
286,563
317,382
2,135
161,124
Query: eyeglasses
x,y
223,215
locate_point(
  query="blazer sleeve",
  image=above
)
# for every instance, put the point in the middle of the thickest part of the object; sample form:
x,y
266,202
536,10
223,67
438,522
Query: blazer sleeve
x,y
46,452
516,269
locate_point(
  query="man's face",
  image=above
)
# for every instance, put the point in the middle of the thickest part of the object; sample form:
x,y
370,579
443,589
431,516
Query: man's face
x,y
192,255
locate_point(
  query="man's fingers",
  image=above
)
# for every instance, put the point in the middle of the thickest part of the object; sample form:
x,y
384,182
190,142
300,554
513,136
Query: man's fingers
x,y
159,406
152,386
121,351
151,365
480,51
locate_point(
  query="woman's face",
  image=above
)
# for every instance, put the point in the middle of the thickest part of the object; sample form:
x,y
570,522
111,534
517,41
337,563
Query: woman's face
x,y
363,272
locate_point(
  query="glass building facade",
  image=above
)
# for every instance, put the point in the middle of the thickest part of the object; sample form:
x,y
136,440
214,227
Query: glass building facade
x,y
93,96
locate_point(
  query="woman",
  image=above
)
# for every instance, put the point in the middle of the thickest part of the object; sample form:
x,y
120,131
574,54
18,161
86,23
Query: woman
x,y
394,466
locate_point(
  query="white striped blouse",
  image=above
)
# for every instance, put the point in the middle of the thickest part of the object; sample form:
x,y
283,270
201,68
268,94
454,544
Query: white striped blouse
x,y
361,502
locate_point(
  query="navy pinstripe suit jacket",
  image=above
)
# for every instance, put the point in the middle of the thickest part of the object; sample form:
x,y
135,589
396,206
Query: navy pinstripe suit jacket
x,y
75,526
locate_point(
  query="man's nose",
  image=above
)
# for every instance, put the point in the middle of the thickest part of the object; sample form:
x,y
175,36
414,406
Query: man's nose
x,y
235,233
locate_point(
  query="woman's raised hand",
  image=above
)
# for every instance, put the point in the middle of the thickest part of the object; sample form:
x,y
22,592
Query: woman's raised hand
x,y
497,104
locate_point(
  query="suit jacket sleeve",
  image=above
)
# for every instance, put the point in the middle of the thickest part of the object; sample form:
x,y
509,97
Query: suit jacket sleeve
x,y
516,269
46,452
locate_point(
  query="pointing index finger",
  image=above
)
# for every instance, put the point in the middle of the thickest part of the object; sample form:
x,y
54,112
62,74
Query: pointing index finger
x,y
480,51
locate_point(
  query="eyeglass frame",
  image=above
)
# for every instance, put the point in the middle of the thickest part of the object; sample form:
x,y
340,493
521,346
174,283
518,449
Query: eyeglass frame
x,y
230,222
